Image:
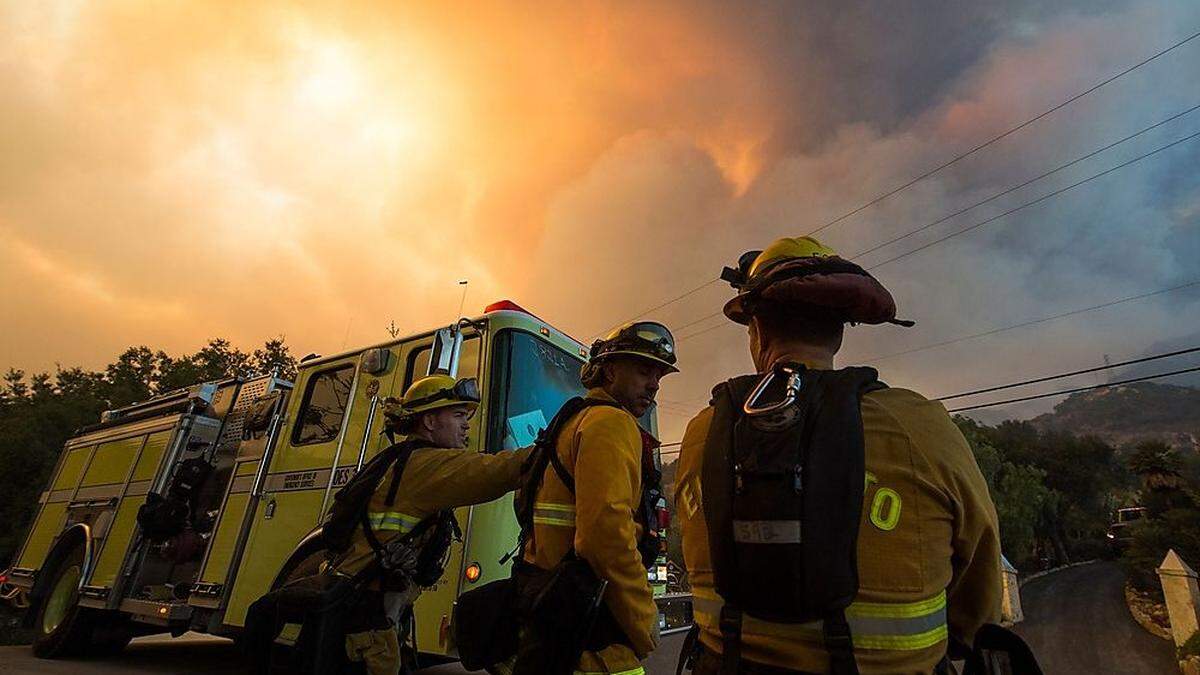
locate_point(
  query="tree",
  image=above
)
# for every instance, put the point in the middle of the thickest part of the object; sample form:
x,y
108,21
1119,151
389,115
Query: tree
x,y
1052,490
275,355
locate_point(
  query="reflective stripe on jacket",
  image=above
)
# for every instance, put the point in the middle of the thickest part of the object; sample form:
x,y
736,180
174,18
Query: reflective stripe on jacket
x,y
434,479
928,546
602,449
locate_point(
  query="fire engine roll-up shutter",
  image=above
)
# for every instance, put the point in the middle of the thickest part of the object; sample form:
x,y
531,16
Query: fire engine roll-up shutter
x,y
873,625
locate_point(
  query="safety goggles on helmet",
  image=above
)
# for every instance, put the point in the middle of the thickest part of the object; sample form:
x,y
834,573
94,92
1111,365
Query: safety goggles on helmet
x,y
647,339
465,390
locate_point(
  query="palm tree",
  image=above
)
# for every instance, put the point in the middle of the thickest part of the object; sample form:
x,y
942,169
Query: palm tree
x,y
1158,465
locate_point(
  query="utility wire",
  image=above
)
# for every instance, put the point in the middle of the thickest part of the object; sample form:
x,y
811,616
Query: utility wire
x,y
659,306
1024,184
1005,134
1039,200
994,331
1081,310
991,219
706,330
1059,376
701,320
1076,390
1014,384
1073,373
942,166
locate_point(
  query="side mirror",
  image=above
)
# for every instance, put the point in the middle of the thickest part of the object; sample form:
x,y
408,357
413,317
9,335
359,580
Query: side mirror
x,y
443,356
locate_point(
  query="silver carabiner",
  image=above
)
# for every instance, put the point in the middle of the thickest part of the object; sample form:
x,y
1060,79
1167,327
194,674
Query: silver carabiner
x,y
751,406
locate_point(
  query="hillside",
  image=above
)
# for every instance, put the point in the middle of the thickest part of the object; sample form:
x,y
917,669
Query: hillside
x,y
1126,415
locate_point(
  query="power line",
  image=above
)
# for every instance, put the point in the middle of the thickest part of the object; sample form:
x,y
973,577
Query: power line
x,y
946,164
1024,184
996,217
1047,378
1005,134
1031,322
706,330
1063,392
659,306
706,317
1001,329
689,402
1039,200
1076,390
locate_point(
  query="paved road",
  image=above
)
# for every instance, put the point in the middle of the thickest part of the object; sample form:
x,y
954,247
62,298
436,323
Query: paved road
x,y
1076,621
193,654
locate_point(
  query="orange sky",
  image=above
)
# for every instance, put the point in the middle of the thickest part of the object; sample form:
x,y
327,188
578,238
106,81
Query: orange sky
x,y
171,172
238,171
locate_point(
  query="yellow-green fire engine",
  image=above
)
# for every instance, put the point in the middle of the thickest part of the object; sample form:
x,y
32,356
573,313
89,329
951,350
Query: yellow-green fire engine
x,y
278,451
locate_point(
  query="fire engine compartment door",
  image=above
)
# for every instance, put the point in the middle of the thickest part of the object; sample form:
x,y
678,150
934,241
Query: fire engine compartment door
x,y
101,481
323,426
224,547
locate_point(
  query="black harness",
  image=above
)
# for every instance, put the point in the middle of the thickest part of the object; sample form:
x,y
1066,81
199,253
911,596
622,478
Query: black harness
x,y
545,456
783,487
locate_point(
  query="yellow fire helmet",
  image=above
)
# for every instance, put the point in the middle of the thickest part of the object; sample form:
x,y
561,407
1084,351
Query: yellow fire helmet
x,y
646,339
432,392
797,273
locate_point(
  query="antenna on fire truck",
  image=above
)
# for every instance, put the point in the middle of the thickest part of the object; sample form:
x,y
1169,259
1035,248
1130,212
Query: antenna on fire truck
x,y
462,301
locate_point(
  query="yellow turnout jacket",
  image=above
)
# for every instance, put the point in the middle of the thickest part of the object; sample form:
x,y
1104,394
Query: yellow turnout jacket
x,y
928,546
433,480
601,447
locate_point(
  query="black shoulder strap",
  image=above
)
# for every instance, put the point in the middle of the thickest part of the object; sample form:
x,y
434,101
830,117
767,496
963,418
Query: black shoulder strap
x,y
545,456
402,451
716,478
830,557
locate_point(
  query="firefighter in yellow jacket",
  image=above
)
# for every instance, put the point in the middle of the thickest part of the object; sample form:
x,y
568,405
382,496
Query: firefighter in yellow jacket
x,y
928,552
439,474
603,519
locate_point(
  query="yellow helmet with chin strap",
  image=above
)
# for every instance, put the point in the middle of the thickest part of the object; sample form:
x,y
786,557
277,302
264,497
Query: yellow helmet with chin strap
x,y
431,393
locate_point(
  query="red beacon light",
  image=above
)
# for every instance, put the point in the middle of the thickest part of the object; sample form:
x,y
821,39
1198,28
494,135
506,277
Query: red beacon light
x,y
506,306
510,306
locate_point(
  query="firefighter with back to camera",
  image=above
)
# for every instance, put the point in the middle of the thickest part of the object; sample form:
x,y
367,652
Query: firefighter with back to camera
x,y
830,524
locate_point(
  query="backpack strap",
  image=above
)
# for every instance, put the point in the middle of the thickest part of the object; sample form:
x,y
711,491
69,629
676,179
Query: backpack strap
x,y
544,456
560,469
832,401
403,450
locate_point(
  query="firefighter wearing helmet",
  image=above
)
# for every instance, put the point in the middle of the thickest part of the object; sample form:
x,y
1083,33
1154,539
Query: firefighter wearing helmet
x,y
830,523
589,509
430,473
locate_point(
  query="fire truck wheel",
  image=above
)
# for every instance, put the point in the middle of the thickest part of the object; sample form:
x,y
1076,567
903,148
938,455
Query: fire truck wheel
x,y
63,627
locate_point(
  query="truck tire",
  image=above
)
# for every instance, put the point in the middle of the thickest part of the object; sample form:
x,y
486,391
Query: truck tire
x,y
66,629
63,627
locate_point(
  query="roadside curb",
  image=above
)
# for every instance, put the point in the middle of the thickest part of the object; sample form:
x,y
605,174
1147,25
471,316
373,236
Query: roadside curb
x,y
1039,575
1143,620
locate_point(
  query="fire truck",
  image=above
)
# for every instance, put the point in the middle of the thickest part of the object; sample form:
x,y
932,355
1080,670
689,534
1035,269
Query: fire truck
x,y
234,477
